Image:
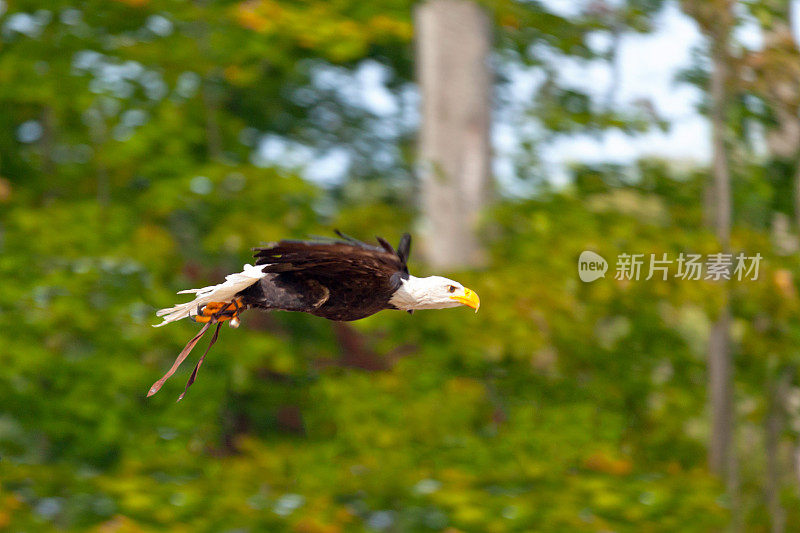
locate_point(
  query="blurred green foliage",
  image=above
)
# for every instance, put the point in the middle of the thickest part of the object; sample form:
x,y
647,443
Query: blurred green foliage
x,y
560,405
127,172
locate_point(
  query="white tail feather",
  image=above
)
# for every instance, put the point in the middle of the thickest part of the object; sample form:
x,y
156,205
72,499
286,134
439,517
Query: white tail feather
x,y
224,292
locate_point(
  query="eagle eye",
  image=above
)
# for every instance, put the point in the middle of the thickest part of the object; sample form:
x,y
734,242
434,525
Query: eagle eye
x,y
451,288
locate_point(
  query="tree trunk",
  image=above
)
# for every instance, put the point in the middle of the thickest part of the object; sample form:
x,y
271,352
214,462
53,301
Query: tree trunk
x,y
720,394
48,140
778,69
720,168
797,196
98,133
722,456
455,82
777,390
209,91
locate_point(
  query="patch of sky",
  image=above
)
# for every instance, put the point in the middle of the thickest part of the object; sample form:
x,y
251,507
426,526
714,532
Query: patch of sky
x,y
71,16
30,131
29,25
159,25
187,84
287,504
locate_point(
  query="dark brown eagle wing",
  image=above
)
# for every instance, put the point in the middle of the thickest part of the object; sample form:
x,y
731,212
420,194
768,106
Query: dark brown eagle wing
x,y
358,279
345,259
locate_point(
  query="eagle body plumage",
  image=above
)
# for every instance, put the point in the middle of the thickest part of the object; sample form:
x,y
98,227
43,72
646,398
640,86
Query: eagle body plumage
x,y
341,300
337,280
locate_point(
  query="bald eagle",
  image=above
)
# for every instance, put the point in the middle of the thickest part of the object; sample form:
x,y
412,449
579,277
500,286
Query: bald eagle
x,y
339,279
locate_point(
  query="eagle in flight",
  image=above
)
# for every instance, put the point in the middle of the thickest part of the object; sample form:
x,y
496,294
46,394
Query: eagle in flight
x,y
338,279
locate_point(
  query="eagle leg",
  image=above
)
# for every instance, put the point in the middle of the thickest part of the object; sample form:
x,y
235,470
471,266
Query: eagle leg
x,y
219,311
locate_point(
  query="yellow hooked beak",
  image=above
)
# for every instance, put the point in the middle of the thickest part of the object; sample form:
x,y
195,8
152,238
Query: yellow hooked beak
x,y
470,298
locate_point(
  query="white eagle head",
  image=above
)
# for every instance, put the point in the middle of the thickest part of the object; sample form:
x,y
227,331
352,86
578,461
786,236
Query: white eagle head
x,y
433,292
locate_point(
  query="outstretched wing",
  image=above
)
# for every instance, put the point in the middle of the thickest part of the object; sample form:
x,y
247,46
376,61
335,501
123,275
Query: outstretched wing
x,y
346,258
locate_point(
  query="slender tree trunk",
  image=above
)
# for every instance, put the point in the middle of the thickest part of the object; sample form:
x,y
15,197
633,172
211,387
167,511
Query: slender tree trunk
x,y
47,141
719,357
5,195
797,196
453,44
720,167
777,390
209,91
720,395
722,454
211,106
778,67
781,76
777,70
796,465
778,80
98,133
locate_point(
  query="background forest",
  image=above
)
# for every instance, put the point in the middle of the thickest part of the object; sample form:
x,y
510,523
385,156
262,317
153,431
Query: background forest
x,y
147,145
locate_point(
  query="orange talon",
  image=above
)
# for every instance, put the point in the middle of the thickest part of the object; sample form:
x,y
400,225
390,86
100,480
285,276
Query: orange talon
x,y
219,311
235,305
